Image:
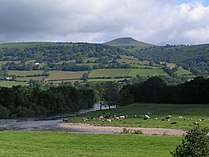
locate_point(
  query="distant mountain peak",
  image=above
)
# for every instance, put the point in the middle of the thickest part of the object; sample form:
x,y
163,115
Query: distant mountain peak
x,y
125,40
128,43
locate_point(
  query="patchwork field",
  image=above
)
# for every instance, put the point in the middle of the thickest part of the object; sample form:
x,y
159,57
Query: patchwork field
x,y
25,73
12,83
64,75
183,114
51,144
109,72
144,72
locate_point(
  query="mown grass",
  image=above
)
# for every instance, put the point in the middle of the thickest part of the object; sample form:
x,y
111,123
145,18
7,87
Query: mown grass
x,y
189,112
51,144
9,84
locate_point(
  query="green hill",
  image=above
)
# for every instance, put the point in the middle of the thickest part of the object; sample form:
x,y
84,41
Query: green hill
x,y
69,62
192,57
128,43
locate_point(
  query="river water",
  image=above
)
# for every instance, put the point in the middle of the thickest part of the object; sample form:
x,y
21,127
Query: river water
x,y
40,124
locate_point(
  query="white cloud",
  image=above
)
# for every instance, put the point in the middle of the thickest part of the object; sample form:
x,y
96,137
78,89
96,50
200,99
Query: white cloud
x,y
158,22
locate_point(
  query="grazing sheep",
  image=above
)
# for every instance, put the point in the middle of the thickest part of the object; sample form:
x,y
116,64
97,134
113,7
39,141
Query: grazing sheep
x,y
64,120
168,118
180,117
109,120
163,119
173,122
196,123
122,117
146,117
117,118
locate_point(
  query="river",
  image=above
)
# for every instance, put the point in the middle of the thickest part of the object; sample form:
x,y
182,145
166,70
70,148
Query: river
x,y
42,124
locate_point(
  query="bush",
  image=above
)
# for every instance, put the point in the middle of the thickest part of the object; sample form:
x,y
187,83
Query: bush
x,y
4,112
195,144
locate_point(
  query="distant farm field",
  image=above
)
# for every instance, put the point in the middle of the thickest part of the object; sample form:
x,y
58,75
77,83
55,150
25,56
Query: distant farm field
x,y
65,75
25,73
12,83
181,72
183,114
109,73
51,144
148,72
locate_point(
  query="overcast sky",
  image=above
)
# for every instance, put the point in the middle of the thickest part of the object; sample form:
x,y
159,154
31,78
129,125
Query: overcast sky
x,y
153,21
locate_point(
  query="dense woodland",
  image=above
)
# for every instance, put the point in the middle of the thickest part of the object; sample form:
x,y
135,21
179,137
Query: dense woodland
x,y
60,56
35,100
155,90
20,101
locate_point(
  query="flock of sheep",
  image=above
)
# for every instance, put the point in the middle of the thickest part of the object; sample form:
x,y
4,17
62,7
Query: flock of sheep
x,y
111,118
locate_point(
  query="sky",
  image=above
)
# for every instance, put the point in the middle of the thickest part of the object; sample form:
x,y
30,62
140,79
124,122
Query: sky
x,y
157,22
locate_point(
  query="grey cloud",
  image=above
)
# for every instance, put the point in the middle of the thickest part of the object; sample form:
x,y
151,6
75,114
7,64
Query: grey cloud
x,y
157,22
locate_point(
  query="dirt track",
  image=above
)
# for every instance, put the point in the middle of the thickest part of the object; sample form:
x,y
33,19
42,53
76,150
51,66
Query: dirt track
x,y
77,127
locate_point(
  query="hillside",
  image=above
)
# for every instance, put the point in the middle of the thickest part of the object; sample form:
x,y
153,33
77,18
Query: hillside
x,y
69,62
128,43
193,58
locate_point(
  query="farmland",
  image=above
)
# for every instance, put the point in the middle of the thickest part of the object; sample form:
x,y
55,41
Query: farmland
x,y
188,114
27,144
12,83
64,75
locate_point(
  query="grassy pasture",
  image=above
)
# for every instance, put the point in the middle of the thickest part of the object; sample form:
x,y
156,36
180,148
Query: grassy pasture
x,y
131,60
25,73
107,80
181,72
64,75
9,84
109,72
190,113
39,78
51,144
144,72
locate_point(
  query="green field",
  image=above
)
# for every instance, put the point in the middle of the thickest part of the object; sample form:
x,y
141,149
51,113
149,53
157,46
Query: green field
x,y
106,80
109,72
65,75
189,112
25,73
51,144
12,83
181,72
144,72
131,60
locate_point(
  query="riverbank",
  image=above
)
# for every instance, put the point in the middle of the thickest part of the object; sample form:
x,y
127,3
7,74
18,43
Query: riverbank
x,y
87,128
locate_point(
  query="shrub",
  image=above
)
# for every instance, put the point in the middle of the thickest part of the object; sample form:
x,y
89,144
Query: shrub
x,y
4,112
195,144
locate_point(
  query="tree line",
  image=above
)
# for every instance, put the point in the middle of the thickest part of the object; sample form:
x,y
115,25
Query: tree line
x,y
155,90
20,101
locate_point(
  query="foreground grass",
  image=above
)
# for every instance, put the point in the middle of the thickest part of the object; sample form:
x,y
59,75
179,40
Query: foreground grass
x,y
51,144
183,114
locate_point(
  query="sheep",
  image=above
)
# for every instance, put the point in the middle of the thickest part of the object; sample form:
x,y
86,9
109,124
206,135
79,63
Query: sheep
x,y
117,118
168,118
109,120
122,117
196,123
173,123
146,117
180,117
